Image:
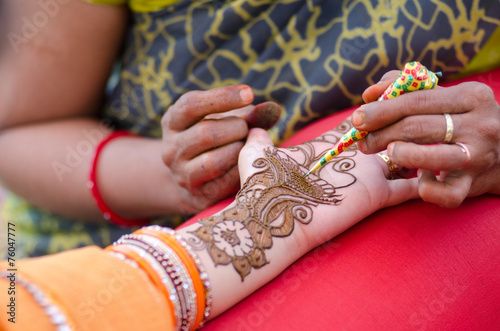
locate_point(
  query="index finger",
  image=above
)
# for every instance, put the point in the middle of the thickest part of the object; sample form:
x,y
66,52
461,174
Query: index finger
x,y
377,115
195,105
373,92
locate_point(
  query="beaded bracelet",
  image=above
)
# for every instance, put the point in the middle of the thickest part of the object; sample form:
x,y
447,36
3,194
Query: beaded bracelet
x,y
107,213
203,275
174,268
167,271
156,274
56,313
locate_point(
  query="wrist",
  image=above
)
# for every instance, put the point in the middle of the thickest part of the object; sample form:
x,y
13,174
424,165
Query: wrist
x,y
133,181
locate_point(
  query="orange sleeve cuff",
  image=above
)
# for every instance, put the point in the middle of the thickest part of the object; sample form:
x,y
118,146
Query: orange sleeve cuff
x,y
96,290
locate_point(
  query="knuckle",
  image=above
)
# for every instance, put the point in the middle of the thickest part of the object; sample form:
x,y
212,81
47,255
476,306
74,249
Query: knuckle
x,y
412,103
185,181
487,160
416,157
483,93
167,155
211,190
210,165
167,118
171,149
412,129
186,102
491,130
453,199
202,203
375,142
491,158
476,93
166,158
209,135
418,102
239,126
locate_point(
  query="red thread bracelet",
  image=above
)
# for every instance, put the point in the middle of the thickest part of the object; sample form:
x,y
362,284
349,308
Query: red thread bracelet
x,y
107,213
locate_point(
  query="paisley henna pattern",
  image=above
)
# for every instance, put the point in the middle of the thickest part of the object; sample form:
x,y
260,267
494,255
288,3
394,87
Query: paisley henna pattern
x,y
269,204
312,57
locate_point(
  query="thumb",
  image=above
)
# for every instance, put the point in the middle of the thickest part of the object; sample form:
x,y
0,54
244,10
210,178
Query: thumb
x,y
402,190
257,141
257,136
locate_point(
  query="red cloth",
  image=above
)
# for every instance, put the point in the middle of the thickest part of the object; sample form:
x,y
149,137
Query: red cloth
x,y
414,266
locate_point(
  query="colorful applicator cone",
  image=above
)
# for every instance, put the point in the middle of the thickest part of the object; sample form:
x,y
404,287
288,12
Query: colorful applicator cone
x,y
413,77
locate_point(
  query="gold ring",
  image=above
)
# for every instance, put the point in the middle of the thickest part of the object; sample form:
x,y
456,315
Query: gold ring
x,y
467,154
449,129
393,167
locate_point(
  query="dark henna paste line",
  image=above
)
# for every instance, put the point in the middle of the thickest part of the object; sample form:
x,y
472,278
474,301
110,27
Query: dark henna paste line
x,y
269,204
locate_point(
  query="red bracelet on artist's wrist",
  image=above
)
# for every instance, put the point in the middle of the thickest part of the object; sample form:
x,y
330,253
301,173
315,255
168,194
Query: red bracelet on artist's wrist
x,y
107,213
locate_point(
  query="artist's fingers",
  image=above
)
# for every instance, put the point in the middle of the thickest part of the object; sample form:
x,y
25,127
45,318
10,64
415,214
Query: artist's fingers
x,y
422,129
402,190
212,192
456,99
210,165
264,115
204,136
195,105
432,157
449,193
373,92
222,186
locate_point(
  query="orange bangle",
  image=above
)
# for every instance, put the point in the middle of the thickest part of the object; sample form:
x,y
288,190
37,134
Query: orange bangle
x,y
190,265
146,266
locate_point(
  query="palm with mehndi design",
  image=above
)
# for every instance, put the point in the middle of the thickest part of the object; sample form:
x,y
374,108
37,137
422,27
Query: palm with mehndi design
x,y
270,202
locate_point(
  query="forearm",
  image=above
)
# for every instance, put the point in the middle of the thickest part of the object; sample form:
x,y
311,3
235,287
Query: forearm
x,y
59,70
277,217
48,164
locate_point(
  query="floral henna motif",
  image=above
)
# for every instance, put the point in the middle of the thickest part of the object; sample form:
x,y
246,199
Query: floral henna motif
x,y
267,206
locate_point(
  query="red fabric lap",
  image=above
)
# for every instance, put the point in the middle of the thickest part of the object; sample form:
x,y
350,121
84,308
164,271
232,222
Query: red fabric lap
x,y
414,266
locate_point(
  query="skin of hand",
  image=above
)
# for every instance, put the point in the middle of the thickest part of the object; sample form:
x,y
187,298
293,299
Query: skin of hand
x,y
370,191
133,180
412,127
203,133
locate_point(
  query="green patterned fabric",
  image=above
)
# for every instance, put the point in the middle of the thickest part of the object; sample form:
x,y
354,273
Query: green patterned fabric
x,y
312,57
40,232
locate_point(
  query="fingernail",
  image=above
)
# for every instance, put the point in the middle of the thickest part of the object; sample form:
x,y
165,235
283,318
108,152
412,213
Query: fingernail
x,y
419,174
246,95
358,117
390,148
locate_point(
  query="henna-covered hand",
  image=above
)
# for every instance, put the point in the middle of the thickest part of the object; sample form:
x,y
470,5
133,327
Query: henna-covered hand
x,y
276,199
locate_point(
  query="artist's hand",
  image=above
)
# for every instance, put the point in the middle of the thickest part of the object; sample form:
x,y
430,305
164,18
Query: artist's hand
x,y
412,127
203,133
